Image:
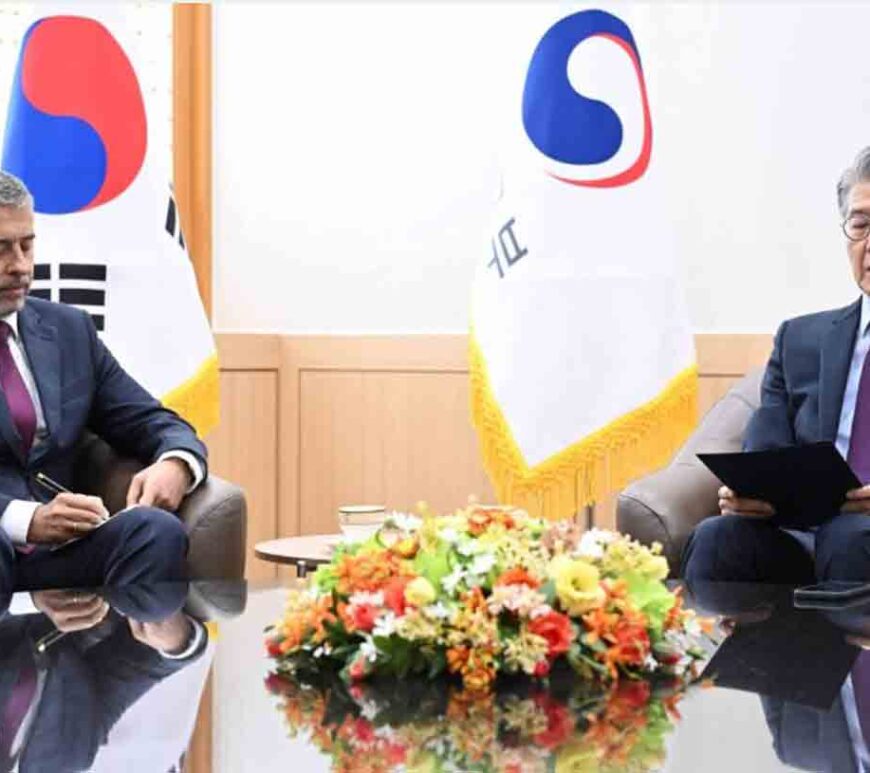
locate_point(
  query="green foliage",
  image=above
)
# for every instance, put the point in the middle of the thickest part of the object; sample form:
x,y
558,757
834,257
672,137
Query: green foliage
x,y
652,598
434,565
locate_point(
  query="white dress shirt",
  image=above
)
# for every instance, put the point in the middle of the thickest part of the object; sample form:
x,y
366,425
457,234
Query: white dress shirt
x,y
16,518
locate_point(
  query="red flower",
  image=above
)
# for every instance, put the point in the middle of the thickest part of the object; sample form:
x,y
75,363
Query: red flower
x,y
633,694
560,726
517,576
273,647
357,669
363,731
363,616
394,595
542,668
556,628
396,754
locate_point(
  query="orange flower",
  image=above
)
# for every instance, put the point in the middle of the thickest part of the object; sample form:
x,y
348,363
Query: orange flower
x,y
481,518
518,576
366,571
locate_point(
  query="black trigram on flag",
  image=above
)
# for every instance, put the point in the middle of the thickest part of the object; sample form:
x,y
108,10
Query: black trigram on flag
x,y
79,284
173,221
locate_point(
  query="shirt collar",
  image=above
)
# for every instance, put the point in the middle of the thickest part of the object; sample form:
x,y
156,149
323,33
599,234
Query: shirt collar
x,y
12,320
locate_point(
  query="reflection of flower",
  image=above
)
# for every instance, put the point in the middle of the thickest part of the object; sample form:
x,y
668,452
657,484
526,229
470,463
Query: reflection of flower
x,y
577,584
420,725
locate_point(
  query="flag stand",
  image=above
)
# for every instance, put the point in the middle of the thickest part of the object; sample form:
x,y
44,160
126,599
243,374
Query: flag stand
x,y
589,516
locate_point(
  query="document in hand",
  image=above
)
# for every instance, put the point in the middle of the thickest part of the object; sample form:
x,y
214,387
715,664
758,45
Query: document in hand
x,y
806,484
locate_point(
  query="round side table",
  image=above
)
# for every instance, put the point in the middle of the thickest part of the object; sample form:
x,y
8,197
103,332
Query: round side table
x,y
305,553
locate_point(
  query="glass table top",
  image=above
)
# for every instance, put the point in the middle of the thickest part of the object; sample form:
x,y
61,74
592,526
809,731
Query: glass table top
x,y
111,680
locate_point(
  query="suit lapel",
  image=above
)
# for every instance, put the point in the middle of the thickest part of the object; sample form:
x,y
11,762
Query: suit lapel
x,y
836,357
43,354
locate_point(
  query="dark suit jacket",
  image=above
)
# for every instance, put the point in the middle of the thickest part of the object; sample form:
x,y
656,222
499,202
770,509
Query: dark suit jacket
x,y
802,391
81,387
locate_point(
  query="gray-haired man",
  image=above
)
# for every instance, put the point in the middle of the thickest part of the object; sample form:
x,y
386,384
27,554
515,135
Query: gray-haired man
x,y
816,388
57,381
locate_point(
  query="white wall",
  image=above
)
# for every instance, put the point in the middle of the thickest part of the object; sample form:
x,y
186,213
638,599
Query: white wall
x,y
356,157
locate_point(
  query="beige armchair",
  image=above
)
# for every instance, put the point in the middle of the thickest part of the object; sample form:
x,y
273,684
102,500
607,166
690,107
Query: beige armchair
x,y
666,505
215,515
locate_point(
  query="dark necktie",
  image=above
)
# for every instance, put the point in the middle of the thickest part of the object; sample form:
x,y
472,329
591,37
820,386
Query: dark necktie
x,y
859,442
16,707
17,397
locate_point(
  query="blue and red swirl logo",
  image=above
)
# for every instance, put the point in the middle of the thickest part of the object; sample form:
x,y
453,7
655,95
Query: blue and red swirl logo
x,y
76,131
586,140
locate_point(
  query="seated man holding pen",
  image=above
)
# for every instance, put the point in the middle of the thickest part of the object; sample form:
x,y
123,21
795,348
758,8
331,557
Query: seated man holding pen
x,y
58,380
816,388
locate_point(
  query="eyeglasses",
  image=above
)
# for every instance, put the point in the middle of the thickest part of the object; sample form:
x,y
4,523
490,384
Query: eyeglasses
x,y
856,227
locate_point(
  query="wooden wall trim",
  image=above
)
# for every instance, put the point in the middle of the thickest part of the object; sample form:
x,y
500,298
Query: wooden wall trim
x,y
192,133
731,354
248,351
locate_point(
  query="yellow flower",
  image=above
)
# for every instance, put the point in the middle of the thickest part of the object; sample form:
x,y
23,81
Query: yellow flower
x,y
420,592
577,757
654,567
423,762
577,584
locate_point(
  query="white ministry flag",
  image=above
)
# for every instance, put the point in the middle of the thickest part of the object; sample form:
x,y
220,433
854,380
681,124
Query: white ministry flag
x,y
86,117
582,362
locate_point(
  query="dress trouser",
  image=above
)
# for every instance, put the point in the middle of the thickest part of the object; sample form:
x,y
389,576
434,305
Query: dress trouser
x,y
742,549
141,545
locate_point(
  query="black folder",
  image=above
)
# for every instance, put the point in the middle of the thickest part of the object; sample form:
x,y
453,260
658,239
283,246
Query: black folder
x,y
806,484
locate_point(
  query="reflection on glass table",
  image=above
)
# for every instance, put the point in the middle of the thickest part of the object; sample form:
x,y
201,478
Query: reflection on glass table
x,y
105,679
783,689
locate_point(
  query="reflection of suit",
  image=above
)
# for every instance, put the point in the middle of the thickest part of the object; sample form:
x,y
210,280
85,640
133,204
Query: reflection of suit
x,y
90,680
810,739
81,386
802,391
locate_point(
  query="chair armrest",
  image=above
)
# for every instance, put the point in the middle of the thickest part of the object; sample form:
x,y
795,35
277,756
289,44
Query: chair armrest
x,y
665,506
215,516
102,472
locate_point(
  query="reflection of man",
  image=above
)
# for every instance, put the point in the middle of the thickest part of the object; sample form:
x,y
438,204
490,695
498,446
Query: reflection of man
x,y
58,380
803,666
58,705
816,387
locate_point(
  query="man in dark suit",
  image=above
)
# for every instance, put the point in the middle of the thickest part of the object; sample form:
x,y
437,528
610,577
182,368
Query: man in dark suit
x,y
816,387
58,380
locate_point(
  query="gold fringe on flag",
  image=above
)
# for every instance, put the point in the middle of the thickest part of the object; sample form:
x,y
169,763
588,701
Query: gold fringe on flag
x,y
197,400
592,468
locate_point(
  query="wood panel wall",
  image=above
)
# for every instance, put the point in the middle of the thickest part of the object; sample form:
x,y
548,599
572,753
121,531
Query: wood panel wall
x,y
309,423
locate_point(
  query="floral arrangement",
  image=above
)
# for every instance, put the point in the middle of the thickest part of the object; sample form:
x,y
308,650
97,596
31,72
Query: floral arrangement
x,y
421,725
487,591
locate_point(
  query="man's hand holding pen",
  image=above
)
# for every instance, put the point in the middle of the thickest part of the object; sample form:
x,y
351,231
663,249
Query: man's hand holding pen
x,y
68,516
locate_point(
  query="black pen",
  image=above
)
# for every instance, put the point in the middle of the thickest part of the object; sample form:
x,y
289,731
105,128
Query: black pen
x,y
52,485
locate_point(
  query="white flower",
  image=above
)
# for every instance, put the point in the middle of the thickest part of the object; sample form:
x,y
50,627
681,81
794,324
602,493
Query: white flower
x,y
385,624
468,548
449,535
593,543
541,609
368,650
318,653
482,564
452,580
364,597
438,611
404,521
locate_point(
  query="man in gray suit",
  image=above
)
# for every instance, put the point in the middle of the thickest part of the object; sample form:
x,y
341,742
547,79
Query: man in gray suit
x,y
816,388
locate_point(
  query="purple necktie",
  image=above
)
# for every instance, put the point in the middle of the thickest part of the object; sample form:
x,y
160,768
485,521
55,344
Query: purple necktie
x,y
859,443
17,397
16,707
